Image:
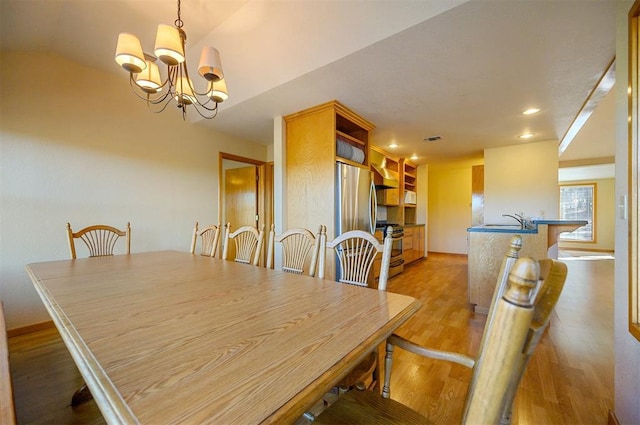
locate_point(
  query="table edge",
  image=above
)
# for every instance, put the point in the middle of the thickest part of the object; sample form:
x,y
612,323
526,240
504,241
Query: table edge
x,y
111,404
301,402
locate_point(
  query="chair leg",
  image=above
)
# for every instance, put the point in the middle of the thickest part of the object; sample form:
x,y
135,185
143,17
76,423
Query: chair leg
x,y
506,418
82,395
388,360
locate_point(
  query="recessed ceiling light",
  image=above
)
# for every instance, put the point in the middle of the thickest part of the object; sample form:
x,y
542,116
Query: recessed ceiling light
x,y
414,156
526,136
530,111
393,145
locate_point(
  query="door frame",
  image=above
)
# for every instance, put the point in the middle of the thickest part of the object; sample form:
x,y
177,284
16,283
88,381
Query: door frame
x,y
265,190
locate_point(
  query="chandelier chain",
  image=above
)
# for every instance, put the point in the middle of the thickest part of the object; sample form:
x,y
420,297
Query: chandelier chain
x,y
178,22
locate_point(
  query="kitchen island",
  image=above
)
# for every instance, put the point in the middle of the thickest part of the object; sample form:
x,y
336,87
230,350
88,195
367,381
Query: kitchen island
x,y
488,243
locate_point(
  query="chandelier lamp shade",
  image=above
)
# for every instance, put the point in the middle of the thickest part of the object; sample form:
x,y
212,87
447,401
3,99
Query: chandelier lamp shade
x,y
159,87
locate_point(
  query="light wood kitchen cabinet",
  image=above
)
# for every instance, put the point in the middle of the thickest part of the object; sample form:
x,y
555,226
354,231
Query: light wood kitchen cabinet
x,y
409,175
311,152
388,197
413,244
409,186
486,253
489,243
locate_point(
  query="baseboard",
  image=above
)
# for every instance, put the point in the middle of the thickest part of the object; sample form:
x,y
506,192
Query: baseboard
x,y
612,419
31,328
607,251
445,253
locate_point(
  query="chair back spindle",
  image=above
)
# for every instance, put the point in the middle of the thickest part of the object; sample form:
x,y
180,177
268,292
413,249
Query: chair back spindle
x,y
209,237
299,248
248,243
356,252
100,239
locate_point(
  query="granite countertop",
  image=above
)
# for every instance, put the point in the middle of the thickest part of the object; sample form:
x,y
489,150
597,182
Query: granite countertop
x,y
532,226
379,227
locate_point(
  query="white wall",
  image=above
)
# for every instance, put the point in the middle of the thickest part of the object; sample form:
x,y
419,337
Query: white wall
x,y
627,348
521,179
77,146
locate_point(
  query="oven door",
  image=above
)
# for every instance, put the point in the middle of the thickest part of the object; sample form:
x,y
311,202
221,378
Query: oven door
x,y
396,263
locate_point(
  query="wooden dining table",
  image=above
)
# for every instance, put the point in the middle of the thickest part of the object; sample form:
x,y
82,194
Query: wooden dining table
x,y
170,337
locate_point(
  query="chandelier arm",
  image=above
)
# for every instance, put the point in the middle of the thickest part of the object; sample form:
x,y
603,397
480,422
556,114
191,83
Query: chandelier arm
x,y
172,77
204,115
164,102
159,100
193,89
207,102
204,105
184,72
138,91
200,107
141,94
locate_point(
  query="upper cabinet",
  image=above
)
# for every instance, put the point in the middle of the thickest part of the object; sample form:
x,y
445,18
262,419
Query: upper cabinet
x,y
409,179
352,137
315,139
409,187
396,185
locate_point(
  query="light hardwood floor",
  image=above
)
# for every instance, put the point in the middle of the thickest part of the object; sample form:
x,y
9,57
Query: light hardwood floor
x,y
569,379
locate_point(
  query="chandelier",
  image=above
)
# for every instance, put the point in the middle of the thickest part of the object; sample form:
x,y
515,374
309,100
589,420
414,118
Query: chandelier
x,y
146,81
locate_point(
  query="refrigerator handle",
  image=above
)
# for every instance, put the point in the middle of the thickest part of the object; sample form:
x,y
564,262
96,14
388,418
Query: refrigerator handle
x,y
373,207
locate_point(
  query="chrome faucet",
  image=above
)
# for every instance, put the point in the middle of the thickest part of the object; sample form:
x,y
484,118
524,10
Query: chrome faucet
x,y
517,217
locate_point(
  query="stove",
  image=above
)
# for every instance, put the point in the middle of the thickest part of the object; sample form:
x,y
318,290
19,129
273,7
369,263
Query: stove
x,y
396,265
384,225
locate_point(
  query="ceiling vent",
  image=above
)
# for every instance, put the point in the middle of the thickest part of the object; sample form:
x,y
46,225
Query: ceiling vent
x,y
432,138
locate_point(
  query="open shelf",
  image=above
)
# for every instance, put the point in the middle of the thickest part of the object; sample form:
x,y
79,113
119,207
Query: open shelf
x,y
351,139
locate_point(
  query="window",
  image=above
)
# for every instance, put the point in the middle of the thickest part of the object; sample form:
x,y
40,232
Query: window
x,y
577,202
634,181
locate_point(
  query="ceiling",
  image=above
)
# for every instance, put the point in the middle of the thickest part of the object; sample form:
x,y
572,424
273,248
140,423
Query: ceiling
x,y
461,70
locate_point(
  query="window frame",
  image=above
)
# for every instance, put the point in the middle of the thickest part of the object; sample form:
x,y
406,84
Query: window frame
x,y
633,158
564,237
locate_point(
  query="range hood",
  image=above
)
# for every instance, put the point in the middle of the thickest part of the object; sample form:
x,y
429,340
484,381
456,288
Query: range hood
x,y
382,176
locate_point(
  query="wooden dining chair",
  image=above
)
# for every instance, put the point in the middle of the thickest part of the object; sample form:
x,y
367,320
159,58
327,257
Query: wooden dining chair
x,y
520,314
209,238
248,244
553,276
100,239
299,249
356,252
509,259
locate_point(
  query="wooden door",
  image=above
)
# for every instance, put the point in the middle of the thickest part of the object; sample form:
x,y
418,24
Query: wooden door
x,y
240,199
477,195
241,196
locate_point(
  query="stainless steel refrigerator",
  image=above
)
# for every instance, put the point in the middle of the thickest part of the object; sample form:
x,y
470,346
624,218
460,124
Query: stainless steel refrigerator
x,y
355,199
